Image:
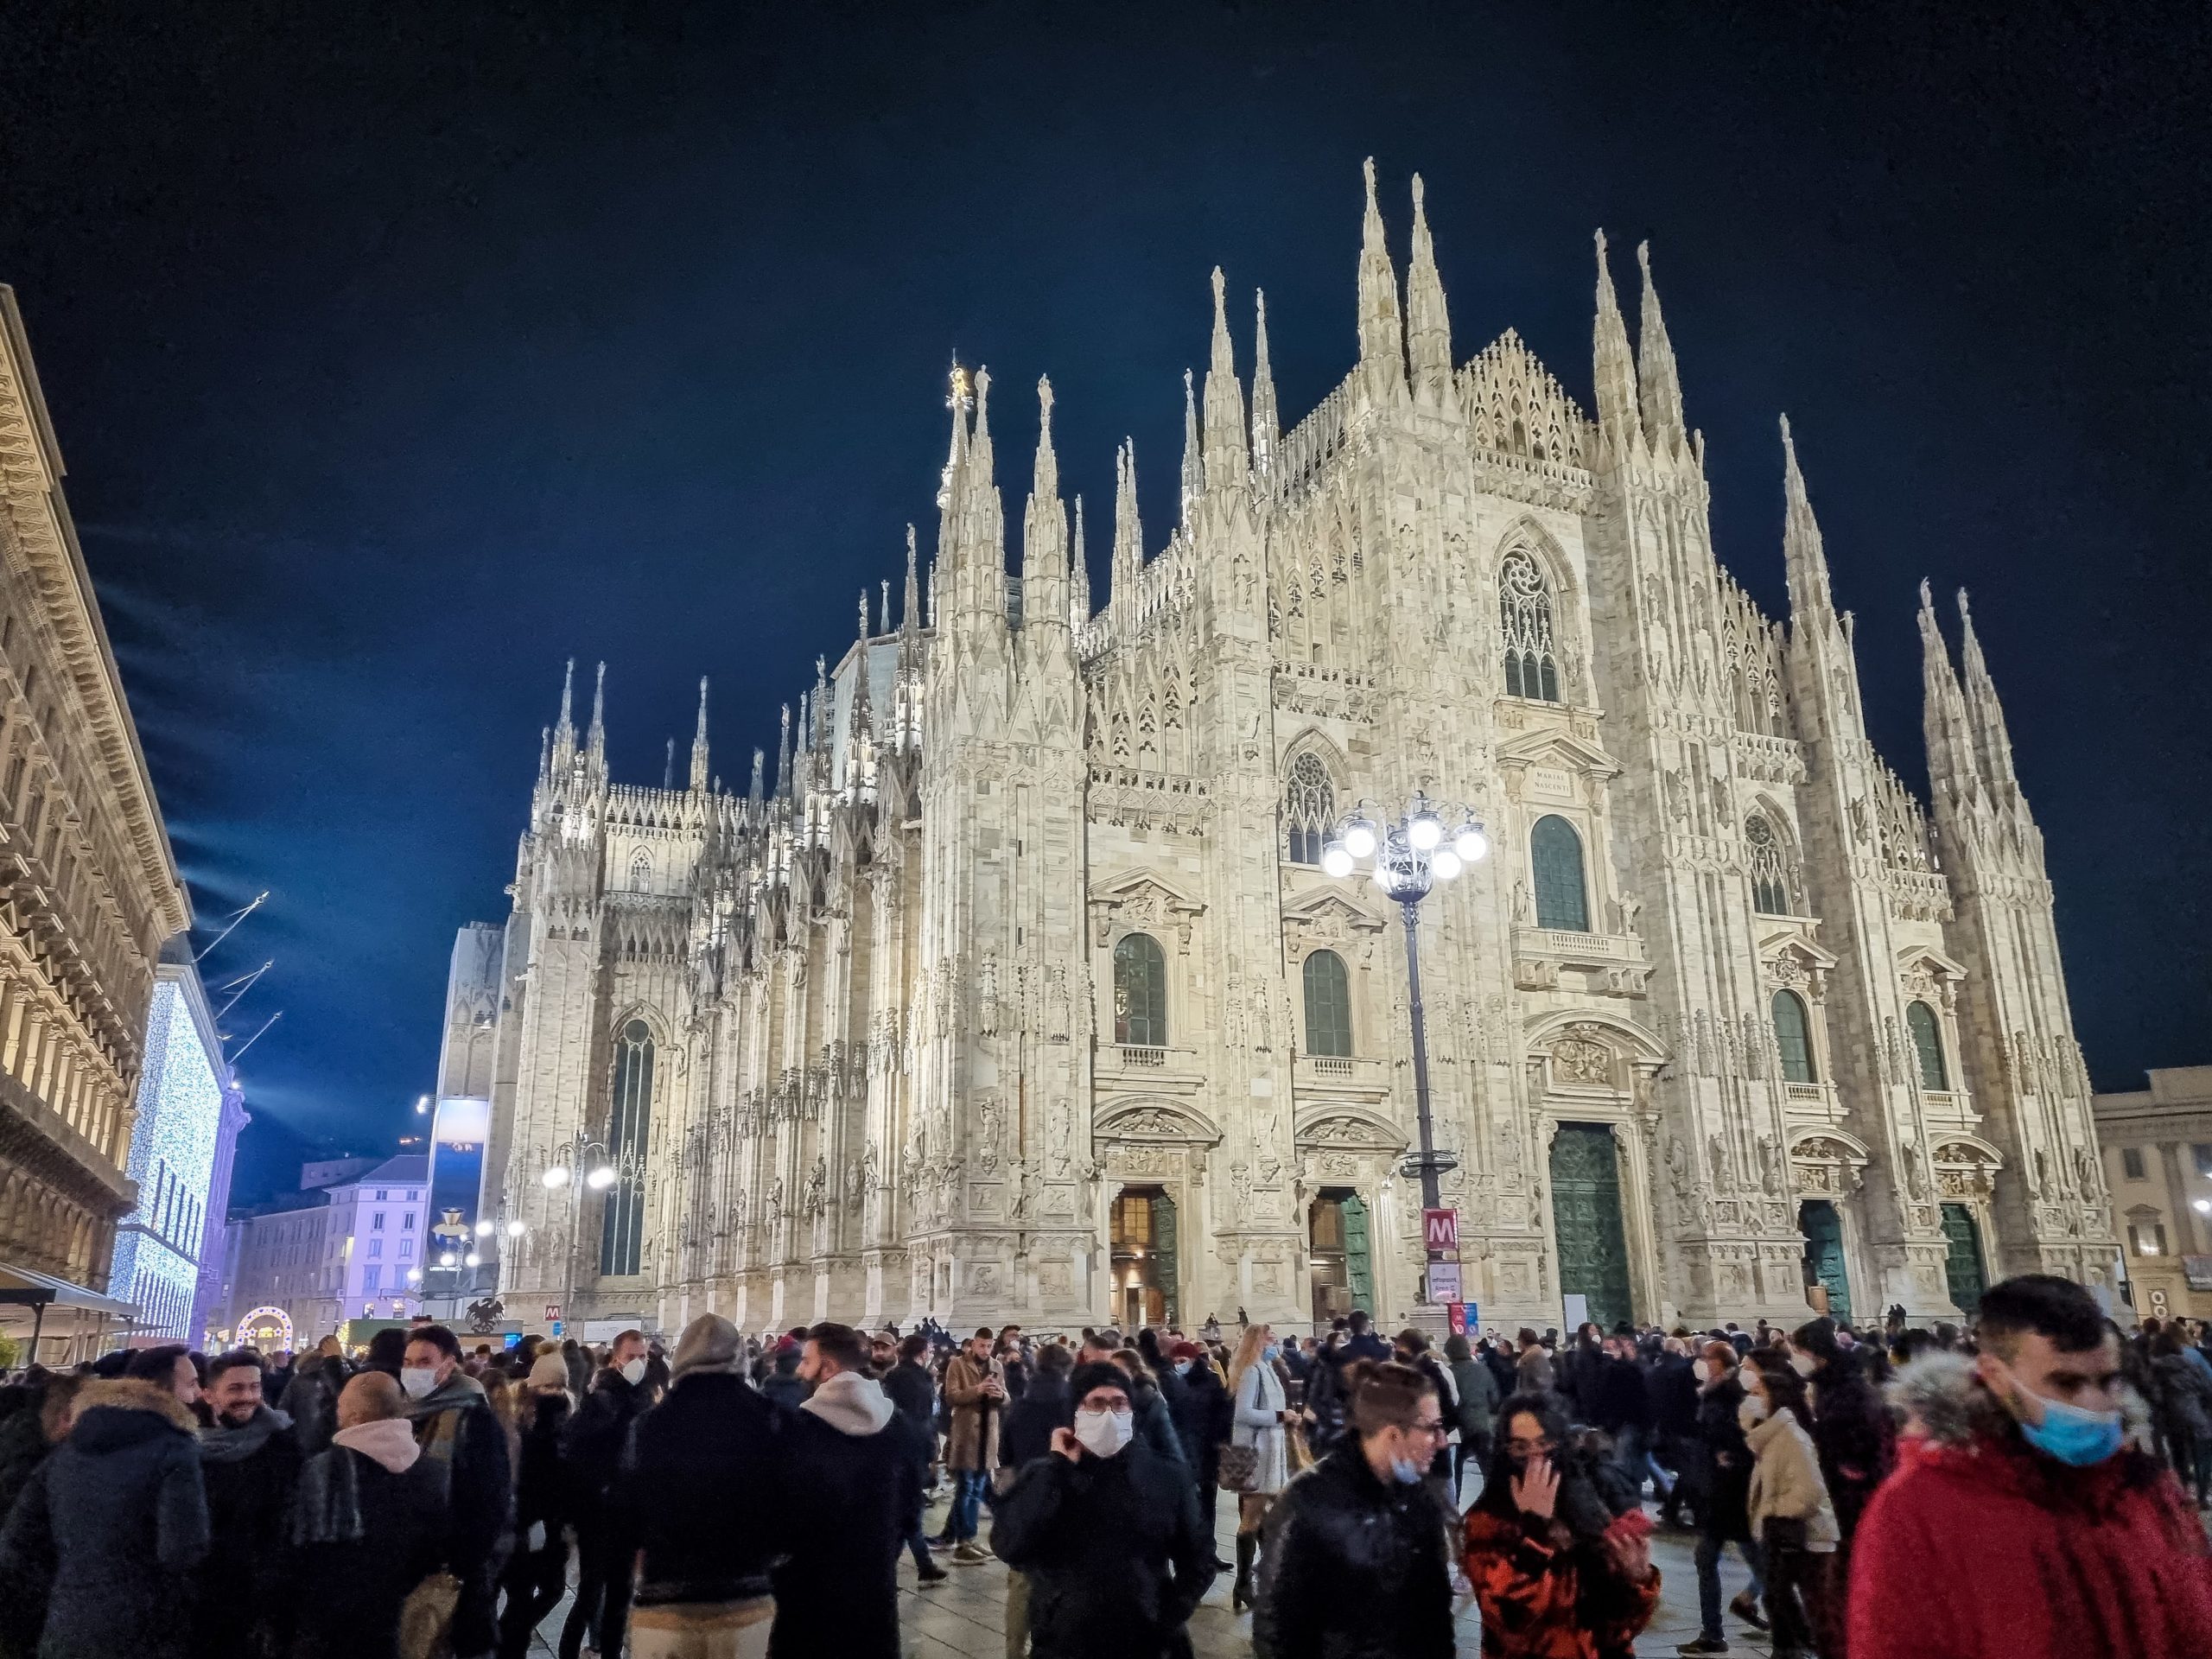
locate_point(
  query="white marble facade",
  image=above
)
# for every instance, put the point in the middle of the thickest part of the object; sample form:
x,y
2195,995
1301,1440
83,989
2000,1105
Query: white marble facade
x,y
854,1037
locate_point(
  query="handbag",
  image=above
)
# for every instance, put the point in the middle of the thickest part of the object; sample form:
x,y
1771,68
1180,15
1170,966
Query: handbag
x,y
426,1617
1240,1467
1297,1454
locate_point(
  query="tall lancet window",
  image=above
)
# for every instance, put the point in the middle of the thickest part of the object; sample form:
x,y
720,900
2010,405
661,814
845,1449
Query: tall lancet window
x,y
629,1123
1307,805
1140,993
1771,886
1525,600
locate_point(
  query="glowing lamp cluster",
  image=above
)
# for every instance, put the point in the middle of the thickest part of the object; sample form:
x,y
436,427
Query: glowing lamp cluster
x,y
599,1179
1432,843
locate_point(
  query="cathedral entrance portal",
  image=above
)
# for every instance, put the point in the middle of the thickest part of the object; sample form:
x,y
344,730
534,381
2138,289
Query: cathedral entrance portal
x,y
1963,1274
1145,1261
1824,1263
1587,1221
1343,1259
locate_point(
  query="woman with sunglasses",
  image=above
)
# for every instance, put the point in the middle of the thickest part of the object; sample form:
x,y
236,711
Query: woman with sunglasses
x,y
1561,1565
1357,1565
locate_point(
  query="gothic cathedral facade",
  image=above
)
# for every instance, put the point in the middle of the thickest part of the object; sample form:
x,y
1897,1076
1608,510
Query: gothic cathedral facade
x,y
1019,994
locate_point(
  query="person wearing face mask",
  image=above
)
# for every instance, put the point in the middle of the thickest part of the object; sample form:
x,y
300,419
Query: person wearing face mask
x,y
1108,1534
1357,1561
1203,1421
1851,1427
454,1424
1788,1504
1262,1428
591,1449
1558,1572
1718,1473
2031,1525
537,1573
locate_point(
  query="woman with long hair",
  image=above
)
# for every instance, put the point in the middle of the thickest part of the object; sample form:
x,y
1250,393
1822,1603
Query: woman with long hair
x,y
1357,1564
1263,1416
1558,1571
1788,1506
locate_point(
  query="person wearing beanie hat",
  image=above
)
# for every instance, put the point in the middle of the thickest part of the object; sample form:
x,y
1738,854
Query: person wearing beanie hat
x,y
537,1575
1204,1417
1108,1532
702,1580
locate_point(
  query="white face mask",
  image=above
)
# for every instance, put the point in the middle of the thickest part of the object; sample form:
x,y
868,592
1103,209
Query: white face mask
x,y
418,1380
634,1372
1802,1364
1751,1411
1103,1434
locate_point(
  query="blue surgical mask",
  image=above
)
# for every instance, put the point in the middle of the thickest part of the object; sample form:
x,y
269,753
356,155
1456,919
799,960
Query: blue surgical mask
x,y
1273,1350
2072,1435
1405,1471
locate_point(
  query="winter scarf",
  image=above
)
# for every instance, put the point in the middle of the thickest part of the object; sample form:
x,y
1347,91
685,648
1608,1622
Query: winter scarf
x,y
850,1404
327,1509
223,1444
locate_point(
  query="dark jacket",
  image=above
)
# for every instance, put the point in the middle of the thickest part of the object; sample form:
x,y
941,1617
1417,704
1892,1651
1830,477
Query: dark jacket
x,y
249,1474
543,1492
455,1425
1855,1436
1478,1398
1030,1421
848,1493
1612,1393
1502,1366
310,1400
348,1595
1722,1465
782,1385
912,1389
1354,1569
1115,1553
114,1524
23,1446
696,1489
1670,1386
1155,1426
1203,1424
592,1444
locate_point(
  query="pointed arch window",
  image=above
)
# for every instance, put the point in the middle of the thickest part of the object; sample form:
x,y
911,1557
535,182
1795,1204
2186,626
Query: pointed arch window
x,y
1793,1033
1525,601
1140,993
1308,804
1772,880
1555,861
1328,1004
1928,1046
641,871
629,1124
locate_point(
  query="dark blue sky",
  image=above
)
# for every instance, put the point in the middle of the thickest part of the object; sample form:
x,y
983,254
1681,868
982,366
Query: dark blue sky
x,y
398,353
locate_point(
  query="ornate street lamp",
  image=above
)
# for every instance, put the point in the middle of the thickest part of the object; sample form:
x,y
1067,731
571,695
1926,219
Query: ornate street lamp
x,y
578,1161
1430,841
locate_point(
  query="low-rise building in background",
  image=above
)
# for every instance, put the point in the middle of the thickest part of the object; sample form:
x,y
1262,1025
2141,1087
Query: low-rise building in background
x,y
2158,1152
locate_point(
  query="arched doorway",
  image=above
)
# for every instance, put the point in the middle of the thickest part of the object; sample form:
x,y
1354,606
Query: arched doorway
x,y
1342,1254
1964,1275
1824,1261
1587,1224
1145,1259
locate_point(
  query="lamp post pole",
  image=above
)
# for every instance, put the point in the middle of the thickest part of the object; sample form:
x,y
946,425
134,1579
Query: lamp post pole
x,y
574,1164
1431,1166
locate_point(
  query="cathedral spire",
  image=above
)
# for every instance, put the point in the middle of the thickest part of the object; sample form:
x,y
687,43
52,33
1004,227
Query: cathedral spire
x,y
1654,367
979,583
699,775
1267,421
1044,529
784,758
759,764
863,714
564,728
1803,558
1984,711
1128,531
1382,336
597,738
911,618
1078,574
1617,421
544,755
1194,470
1953,775
1428,321
1228,463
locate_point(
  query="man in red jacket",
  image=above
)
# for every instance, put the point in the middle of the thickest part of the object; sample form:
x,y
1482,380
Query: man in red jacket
x,y
2028,1528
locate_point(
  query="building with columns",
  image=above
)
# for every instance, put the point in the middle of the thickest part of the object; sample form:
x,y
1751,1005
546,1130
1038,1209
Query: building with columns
x,y
2157,1149
1019,992
89,893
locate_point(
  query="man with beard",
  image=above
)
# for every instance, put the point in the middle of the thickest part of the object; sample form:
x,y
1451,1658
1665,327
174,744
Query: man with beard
x,y
250,1462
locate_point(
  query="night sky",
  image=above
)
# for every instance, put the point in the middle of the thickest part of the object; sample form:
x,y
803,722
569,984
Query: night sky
x,y
400,353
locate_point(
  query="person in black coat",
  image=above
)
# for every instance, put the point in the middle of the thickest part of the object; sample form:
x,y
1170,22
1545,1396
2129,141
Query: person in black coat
x,y
913,1393
1203,1424
1723,1489
698,1490
1614,1399
847,1489
454,1425
537,1573
1670,1390
1155,1427
1851,1427
1357,1562
1109,1534
250,1462
112,1526
591,1447
1044,1406
369,1521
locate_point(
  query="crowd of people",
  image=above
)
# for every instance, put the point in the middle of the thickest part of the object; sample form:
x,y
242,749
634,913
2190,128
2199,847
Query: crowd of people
x,y
2031,1488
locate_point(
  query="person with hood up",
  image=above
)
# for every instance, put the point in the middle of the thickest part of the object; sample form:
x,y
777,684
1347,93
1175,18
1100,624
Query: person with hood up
x,y
847,1491
1476,1407
368,1524
2028,1526
112,1526
697,1489
250,1462
592,1448
454,1425
1108,1534
1155,1421
1357,1564
537,1573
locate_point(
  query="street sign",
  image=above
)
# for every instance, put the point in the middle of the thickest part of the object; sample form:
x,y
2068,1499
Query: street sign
x,y
553,1312
1443,1282
1441,1229
557,1327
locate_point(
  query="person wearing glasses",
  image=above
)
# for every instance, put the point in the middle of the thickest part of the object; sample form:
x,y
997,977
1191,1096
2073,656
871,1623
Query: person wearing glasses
x,y
1356,1562
1557,1547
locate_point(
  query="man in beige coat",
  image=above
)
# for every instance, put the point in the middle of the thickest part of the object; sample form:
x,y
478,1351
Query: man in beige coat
x,y
974,1393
